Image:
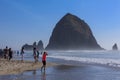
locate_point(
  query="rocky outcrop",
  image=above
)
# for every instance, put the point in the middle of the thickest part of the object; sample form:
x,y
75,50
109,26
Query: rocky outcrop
x,y
72,33
34,44
115,47
39,46
28,47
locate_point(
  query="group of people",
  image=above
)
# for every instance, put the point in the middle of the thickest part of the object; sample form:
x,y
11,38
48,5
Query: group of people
x,y
7,53
36,56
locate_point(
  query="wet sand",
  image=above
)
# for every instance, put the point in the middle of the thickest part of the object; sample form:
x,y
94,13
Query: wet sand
x,y
28,70
68,72
17,66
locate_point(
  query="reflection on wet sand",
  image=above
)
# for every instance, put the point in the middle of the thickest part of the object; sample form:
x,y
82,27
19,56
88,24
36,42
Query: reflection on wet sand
x,y
34,74
43,75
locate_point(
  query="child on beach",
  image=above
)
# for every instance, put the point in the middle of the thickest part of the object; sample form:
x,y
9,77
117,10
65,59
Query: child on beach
x,y
44,60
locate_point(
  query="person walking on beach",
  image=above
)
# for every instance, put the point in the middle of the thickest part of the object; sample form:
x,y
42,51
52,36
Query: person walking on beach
x,y
35,54
1,53
22,52
6,53
17,53
10,54
44,60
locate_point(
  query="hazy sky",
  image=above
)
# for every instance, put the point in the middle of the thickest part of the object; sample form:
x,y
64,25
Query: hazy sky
x,y
26,21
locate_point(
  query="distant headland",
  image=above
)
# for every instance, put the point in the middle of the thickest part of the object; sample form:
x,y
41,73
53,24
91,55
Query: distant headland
x,y
39,46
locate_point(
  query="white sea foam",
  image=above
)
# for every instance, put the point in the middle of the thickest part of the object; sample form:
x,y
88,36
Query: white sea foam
x,y
109,62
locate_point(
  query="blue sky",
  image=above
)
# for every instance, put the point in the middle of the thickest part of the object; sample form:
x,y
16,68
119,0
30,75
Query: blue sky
x,y
26,21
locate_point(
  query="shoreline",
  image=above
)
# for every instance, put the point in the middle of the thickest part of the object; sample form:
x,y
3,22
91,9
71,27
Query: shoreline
x,y
67,72
17,66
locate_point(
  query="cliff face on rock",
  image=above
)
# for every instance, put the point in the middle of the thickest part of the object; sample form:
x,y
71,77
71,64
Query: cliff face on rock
x,y
39,46
115,47
72,33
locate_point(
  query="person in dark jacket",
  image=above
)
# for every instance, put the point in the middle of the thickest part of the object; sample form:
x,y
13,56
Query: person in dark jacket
x,y
10,54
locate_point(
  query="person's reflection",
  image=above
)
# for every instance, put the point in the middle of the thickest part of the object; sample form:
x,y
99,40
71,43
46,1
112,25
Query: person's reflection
x,y
43,75
34,74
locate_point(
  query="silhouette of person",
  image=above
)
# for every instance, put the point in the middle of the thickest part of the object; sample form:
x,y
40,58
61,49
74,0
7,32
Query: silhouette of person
x,y
1,53
35,54
6,53
17,53
38,54
44,60
22,52
10,54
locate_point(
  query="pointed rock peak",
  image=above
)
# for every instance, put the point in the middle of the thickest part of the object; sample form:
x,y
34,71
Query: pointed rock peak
x,y
69,15
40,45
115,47
40,42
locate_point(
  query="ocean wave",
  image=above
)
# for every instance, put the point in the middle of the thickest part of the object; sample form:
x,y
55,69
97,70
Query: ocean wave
x,y
108,62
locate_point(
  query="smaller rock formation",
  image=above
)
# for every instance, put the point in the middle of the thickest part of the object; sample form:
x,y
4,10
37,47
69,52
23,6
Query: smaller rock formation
x,y
34,44
39,46
115,47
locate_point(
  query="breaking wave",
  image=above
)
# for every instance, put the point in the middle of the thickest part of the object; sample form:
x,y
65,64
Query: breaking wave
x,y
109,62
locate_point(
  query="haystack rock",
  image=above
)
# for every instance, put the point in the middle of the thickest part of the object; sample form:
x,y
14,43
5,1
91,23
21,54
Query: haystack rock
x,y
72,33
115,47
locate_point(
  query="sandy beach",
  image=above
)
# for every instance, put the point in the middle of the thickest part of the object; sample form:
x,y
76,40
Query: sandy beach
x,y
16,66
63,66
68,72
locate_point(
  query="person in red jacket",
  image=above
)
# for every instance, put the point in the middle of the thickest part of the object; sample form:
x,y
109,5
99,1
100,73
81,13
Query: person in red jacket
x,y
44,60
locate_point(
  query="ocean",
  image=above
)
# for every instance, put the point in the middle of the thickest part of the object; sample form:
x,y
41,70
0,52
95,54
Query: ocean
x,y
107,58
74,65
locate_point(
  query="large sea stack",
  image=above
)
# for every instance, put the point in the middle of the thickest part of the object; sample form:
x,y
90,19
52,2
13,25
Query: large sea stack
x,y
72,33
